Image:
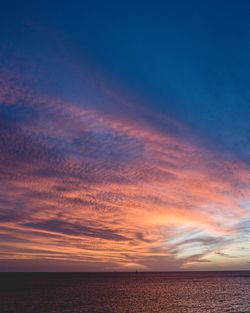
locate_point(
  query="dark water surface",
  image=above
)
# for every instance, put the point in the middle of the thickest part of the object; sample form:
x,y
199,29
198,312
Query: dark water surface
x,y
195,292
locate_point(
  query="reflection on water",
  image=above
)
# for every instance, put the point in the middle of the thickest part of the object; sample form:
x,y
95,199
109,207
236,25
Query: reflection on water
x,y
197,292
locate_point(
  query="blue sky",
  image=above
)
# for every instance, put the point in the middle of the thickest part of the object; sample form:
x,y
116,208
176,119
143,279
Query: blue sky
x,y
188,60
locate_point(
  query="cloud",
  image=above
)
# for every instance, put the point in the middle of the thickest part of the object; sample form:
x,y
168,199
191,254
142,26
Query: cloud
x,y
225,254
108,189
57,226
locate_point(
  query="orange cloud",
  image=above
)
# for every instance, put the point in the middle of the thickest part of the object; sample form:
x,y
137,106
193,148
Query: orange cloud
x,y
81,185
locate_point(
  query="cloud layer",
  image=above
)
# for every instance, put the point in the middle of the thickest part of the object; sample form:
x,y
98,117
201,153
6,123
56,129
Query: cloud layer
x,y
109,189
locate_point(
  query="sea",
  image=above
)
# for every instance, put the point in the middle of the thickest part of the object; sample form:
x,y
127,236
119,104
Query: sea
x,y
159,292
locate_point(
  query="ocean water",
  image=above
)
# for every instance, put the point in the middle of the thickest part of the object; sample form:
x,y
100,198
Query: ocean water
x,y
196,292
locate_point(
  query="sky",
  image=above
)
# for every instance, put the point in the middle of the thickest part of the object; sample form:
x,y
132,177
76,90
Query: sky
x,y
124,135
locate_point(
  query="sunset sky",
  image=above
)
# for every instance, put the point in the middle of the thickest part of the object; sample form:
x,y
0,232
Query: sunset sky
x,y
124,135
